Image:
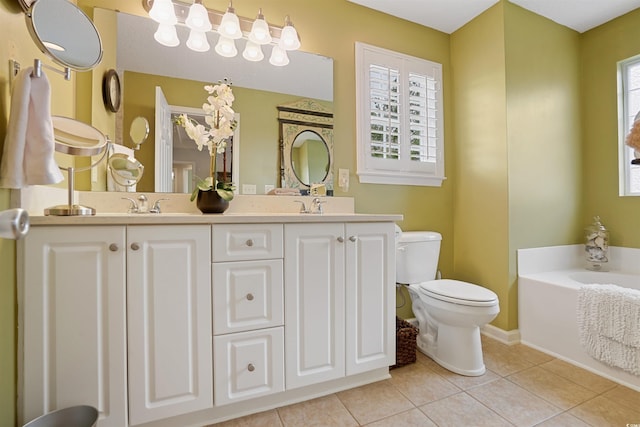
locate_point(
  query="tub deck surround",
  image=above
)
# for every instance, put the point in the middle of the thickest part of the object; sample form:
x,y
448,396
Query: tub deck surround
x,y
548,282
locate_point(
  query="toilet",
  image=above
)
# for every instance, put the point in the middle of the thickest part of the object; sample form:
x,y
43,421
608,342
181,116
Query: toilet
x,y
449,312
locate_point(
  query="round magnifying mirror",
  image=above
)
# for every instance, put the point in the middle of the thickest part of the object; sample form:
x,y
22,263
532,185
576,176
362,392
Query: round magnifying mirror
x,y
310,157
125,170
64,33
139,131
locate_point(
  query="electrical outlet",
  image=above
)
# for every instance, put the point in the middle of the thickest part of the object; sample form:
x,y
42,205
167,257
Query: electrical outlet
x,y
343,179
268,188
248,189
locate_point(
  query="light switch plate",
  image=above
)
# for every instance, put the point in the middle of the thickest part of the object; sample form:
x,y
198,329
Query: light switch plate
x,y
248,189
343,179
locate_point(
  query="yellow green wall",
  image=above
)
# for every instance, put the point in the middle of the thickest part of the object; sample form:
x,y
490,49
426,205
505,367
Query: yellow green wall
x,y
601,49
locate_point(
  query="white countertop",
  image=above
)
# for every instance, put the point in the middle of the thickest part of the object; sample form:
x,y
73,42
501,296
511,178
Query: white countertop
x,y
226,218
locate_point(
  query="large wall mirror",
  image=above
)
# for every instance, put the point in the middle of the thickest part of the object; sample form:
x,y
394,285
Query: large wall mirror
x,y
306,136
259,89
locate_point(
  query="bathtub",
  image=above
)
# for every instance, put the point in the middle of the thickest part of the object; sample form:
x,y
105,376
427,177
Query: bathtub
x,y
548,280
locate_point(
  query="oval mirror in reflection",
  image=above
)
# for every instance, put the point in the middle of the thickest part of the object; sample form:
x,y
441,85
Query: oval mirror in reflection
x,y
139,131
310,157
125,171
65,33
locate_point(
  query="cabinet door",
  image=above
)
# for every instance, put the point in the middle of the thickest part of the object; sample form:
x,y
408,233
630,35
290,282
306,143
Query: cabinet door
x,y
248,365
72,321
314,303
169,320
370,296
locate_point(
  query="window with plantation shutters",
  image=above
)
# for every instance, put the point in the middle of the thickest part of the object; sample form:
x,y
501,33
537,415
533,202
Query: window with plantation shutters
x,y
399,113
629,109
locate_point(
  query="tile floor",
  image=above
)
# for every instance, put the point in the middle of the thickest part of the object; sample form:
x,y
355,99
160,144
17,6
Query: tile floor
x,y
522,387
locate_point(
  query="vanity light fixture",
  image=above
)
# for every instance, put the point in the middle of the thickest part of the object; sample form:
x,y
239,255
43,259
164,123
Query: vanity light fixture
x,y
227,25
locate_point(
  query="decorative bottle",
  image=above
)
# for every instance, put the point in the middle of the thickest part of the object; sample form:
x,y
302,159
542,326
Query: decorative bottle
x,y
597,246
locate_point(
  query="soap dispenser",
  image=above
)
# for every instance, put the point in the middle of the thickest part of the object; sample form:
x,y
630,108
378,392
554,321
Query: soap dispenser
x,y
597,246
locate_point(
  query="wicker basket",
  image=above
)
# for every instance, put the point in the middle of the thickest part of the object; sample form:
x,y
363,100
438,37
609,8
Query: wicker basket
x,y
405,343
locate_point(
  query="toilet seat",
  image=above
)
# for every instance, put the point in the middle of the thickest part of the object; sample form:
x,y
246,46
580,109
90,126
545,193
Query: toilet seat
x,y
458,292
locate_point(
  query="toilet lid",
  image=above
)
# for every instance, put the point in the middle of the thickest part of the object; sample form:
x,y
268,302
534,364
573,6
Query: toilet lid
x,y
459,292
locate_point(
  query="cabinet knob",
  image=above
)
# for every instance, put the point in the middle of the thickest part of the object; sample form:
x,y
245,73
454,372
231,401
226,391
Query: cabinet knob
x,y
251,368
250,242
250,297
352,238
135,246
340,239
113,247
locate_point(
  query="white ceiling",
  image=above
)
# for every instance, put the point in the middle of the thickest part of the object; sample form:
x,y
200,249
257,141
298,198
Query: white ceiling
x,y
449,15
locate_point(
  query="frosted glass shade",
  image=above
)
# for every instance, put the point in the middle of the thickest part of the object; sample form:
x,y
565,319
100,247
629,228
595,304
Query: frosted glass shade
x,y
198,18
166,35
278,57
226,47
198,41
230,25
289,39
163,12
252,52
260,32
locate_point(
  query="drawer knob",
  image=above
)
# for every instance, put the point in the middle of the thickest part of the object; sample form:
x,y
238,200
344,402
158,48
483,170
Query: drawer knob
x,y
340,239
135,246
251,368
250,297
250,242
113,247
352,238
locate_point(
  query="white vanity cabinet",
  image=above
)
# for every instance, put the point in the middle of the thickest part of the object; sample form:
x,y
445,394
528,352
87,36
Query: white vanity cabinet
x,y
248,311
71,299
339,305
93,295
169,321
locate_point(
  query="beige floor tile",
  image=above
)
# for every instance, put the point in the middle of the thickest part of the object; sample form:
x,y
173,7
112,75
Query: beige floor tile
x,y
532,355
601,411
563,420
624,396
462,410
579,376
412,418
551,387
421,385
462,381
503,360
324,411
374,402
262,419
514,403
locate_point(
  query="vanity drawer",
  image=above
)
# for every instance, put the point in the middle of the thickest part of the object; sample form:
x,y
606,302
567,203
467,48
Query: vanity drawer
x,y
248,365
247,295
240,242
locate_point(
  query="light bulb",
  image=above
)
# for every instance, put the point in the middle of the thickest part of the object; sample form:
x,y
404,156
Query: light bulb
x,y
278,57
163,12
198,41
198,18
289,39
166,35
226,47
230,24
252,52
260,33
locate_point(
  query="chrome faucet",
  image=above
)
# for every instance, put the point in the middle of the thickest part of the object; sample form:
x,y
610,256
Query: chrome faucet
x,y
303,207
316,206
142,205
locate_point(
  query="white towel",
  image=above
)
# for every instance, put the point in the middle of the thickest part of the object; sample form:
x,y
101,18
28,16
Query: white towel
x,y
609,324
29,145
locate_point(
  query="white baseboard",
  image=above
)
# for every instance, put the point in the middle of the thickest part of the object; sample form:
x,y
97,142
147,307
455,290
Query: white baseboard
x,y
506,337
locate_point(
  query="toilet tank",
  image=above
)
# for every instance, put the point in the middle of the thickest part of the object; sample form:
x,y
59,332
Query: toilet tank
x,y
417,255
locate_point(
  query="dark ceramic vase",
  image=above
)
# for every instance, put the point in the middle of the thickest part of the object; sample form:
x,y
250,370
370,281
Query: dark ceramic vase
x,y
210,202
